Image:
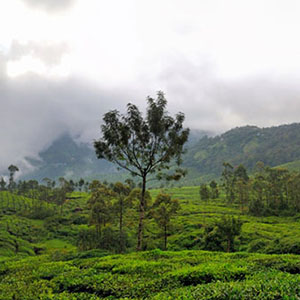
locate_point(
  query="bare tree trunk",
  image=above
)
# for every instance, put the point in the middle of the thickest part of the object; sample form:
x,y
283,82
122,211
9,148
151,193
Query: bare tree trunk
x,y
121,225
142,216
228,245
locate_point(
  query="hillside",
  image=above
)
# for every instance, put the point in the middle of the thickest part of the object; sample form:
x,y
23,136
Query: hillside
x,y
40,257
67,158
245,145
70,159
204,158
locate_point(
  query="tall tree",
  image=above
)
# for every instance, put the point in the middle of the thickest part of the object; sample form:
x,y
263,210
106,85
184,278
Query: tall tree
x,y
12,170
241,183
228,181
141,145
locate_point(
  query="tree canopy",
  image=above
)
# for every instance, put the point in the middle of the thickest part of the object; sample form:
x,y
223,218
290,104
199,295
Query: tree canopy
x,y
143,145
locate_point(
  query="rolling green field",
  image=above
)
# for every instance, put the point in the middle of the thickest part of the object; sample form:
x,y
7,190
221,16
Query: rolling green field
x,y
39,258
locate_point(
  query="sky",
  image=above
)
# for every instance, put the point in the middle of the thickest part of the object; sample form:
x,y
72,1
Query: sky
x,y
64,63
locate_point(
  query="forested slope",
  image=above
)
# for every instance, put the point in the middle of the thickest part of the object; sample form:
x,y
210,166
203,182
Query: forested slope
x,y
245,145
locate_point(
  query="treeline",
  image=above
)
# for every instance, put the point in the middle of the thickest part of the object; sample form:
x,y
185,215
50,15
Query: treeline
x,y
270,191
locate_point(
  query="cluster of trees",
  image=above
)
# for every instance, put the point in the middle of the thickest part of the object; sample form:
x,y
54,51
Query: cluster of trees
x,y
209,192
270,191
11,185
117,205
221,236
49,191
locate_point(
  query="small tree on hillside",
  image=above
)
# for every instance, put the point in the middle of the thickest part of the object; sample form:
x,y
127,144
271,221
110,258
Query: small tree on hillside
x,y
204,192
143,146
2,184
228,181
100,207
122,191
229,228
80,184
214,189
12,170
164,208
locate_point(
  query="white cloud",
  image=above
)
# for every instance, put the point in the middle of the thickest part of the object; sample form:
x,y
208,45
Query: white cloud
x,y
50,5
223,63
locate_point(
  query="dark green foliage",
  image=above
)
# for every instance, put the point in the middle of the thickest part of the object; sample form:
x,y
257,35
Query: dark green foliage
x,y
221,236
163,209
122,203
2,184
101,209
214,189
12,170
204,192
213,239
143,146
228,179
229,228
89,239
245,145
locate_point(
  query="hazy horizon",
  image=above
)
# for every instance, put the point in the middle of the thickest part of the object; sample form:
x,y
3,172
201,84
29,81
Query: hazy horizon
x,y
64,63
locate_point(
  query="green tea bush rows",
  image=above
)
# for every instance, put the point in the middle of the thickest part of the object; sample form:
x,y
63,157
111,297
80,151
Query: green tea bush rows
x,y
153,275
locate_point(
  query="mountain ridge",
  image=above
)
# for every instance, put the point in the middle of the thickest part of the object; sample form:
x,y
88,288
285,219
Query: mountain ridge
x,y
276,145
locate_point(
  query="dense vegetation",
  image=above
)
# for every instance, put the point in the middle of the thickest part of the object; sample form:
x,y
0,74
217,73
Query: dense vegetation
x,y
236,238
152,275
49,236
244,145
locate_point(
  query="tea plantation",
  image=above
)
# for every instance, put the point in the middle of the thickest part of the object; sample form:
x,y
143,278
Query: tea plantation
x,y
41,257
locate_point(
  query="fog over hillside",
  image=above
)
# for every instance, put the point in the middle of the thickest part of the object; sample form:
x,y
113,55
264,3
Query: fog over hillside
x,y
63,64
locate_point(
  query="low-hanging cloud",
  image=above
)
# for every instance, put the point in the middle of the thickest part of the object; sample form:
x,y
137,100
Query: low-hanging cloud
x,y
212,103
50,5
35,110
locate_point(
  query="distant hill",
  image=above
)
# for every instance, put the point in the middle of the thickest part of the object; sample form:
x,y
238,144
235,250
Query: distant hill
x,y
245,145
70,159
204,159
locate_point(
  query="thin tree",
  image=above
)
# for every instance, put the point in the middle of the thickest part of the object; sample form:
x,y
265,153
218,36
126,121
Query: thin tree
x,y
100,206
164,208
12,170
229,227
122,203
143,146
214,189
228,181
204,192
2,184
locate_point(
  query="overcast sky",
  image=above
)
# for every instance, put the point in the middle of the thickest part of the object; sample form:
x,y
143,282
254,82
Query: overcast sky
x,y
63,63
